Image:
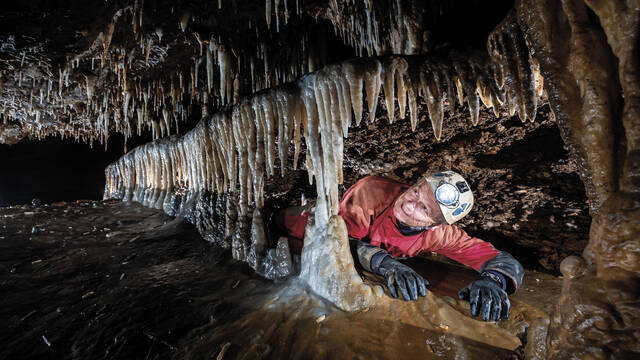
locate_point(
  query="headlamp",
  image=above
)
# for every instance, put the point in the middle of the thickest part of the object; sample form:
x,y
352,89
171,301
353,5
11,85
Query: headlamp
x,y
447,194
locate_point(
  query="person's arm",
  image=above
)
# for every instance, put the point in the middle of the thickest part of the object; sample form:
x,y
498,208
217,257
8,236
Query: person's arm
x,y
500,273
400,277
478,254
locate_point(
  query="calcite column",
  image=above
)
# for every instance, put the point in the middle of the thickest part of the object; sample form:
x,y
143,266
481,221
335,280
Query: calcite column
x,y
588,55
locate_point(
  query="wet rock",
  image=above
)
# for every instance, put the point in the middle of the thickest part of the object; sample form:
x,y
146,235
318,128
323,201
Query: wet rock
x,y
536,347
278,264
328,268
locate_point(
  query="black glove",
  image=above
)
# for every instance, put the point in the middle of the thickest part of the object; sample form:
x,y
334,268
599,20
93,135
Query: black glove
x,y
487,297
402,277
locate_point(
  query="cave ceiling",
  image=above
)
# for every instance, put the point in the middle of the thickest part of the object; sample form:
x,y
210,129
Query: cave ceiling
x,y
90,70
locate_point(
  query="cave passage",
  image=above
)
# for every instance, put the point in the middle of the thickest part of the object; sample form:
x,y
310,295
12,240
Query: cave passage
x,y
146,147
36,170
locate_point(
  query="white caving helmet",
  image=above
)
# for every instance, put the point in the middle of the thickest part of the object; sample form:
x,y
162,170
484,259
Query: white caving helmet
x,y
452,193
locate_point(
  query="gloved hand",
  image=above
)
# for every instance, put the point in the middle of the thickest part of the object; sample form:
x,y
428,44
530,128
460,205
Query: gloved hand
x,y
402,277
487,297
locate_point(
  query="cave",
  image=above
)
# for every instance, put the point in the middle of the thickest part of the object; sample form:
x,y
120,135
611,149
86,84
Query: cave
x,y
147,147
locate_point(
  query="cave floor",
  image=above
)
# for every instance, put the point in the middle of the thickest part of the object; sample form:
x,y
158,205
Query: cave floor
x,y
100,280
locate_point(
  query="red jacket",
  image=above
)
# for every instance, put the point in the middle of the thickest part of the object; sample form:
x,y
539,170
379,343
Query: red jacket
x,y
367,210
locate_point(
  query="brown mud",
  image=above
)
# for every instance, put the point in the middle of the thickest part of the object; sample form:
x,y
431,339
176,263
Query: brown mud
x,y
116,280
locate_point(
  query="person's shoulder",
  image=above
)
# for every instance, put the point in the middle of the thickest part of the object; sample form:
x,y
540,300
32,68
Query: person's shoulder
x,y
379,180
375,187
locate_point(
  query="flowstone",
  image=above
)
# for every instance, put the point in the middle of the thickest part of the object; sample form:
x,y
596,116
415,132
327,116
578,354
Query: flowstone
x,y
597,314
328,268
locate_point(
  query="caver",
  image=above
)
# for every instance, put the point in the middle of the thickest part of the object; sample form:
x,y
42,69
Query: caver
x,y
388,220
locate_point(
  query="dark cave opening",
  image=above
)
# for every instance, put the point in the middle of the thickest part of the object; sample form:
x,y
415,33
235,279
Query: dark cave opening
x,y
52,170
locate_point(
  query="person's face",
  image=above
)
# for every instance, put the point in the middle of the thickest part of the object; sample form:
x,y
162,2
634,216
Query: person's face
x,y
418,206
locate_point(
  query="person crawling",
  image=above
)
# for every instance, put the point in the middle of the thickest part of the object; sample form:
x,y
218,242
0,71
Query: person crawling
x,y
388,220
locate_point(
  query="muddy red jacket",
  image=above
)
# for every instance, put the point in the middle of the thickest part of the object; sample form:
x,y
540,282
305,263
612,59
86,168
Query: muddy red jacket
x,y
367,211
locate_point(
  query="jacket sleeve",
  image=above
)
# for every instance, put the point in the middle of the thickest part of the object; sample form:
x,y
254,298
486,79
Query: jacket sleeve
x,y
456,244
508,266
369,256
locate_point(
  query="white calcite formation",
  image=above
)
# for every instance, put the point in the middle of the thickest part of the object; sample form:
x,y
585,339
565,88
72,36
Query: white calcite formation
x,y
124,93
235,149
114,87
392,29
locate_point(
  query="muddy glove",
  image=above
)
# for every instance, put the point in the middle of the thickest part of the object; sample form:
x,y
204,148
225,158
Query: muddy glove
x,y
401,277
487,296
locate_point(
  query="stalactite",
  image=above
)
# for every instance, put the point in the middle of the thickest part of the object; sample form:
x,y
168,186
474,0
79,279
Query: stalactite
x,y
320,105
372,84
268,13
106,42
507,48
184,20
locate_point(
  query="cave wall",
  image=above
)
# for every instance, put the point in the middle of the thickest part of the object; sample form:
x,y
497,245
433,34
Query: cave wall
x,y
592,87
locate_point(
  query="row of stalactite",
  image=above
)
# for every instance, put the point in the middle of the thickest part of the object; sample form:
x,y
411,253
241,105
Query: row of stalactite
x,y
231,152
77,101
103,91
235,149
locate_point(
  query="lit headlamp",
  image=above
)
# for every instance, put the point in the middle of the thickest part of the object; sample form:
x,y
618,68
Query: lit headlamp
x,y
447,194
452,194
